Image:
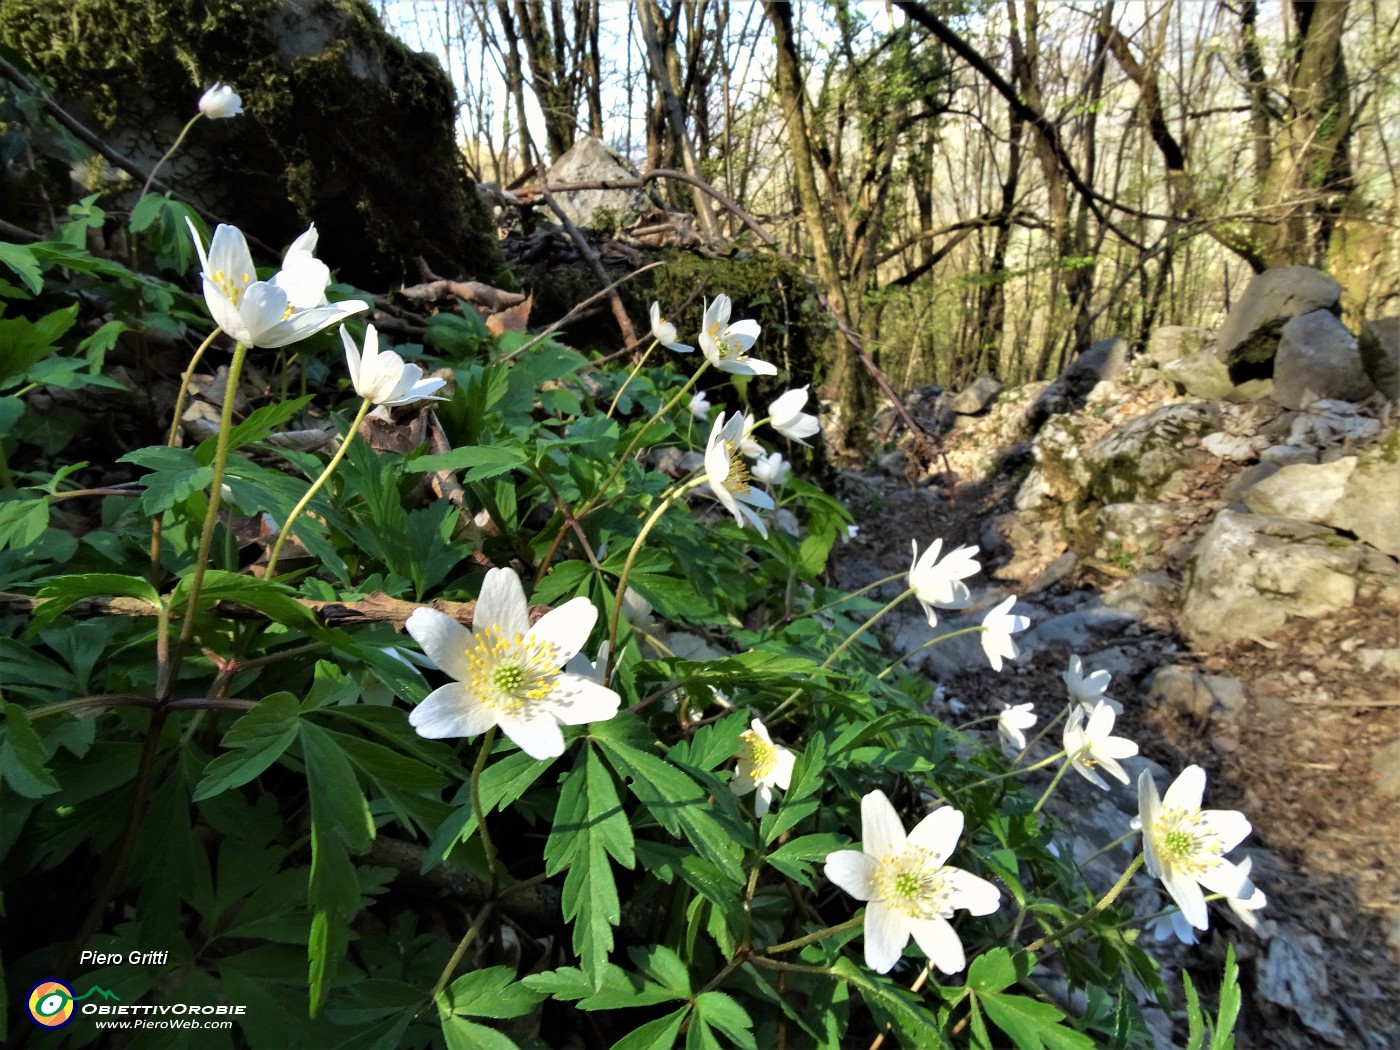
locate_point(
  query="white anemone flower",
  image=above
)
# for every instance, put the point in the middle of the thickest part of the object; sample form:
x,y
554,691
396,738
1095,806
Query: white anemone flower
x,y
595,669
220,102
910,890
938,585
789,420
728,474
1172,924
1088,691
256,313
762,766
997,628
382,376
727,345
1249,899
1185,846
303,276
748,444
1012,724
664,332
1091,745
508,673
699,406
771,470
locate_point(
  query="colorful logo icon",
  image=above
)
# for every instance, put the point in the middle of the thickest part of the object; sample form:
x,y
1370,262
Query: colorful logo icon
x,y
51,1004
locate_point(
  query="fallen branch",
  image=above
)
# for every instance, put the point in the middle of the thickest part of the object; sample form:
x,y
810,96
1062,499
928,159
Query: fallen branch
x,y
596,265
474,292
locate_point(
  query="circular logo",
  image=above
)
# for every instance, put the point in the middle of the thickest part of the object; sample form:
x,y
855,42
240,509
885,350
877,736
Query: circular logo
x,y
51,1004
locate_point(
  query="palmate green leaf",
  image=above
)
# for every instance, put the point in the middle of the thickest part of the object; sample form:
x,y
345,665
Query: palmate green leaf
x,y
665,967
254,742
803,797
60,593
1032,1024
260,423
21,260
997,969
460,1034
273,599
22,757
23,342
479,461
673,798
175,476
893,1005
589,825
1223,1037
722,1011
493,992
619,989
504,781
334,896
659,1034
795,859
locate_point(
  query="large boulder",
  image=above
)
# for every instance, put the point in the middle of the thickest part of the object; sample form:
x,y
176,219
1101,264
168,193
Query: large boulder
x,y
1135,460
1369,507
1201,374
1318,360
1250,333
1379,345
977,396
342,124
591,160
1174,341
1250,572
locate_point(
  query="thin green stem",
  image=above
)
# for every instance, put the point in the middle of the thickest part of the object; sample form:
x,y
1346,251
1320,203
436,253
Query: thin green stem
x,y
821,935
637,440
487,739
650,523
206,536
1010,773
843,647
1054,782
315,488
472,931
184,390
631,376
168,154
1107,899
932,641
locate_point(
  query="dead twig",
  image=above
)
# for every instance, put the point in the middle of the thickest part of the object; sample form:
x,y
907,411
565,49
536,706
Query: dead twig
x,y
596,265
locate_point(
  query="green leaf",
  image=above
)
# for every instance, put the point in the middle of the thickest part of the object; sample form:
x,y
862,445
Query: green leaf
x,y
891,1004
22,757
460,1034
665,967
60,593
723,1012
21,260
337,803
260,423
334,896
1223,1036
803,798
479,461
1032,1024
176,475
494,992
994,970
23,342
619,988
254,742
794,858
655,1035
266,596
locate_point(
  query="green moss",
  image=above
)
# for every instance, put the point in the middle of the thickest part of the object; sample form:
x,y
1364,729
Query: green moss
x,y
354,131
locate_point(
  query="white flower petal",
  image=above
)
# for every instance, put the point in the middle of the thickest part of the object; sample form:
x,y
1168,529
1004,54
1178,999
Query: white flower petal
x,y
853,871
567,627
502,604
1149,805
451,711
1187,894
972,893
881,830
538,737
583,701
886,933
1186,790
1230,824
940,943
938,833
443,639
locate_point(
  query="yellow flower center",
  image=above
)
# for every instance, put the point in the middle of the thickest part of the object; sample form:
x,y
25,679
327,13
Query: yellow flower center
x,y
737,480
909,881
762,755
231,290
1186,841
508,673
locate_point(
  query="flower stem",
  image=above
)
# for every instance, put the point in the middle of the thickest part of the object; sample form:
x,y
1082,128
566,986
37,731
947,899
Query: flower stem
x,y
631,376
472,931
650,523
315,487
487,739
1009,773
931,642
168,154
622,460
1054,781
820,935
206,536
1107,899
845,645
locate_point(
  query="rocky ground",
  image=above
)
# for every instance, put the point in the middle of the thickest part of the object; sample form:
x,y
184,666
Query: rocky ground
x,y
1300,729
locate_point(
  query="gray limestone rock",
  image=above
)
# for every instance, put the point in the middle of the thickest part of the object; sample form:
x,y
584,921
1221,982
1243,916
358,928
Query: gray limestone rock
x,y
1172,342
1198,695
1250,332
1369,506
1318,360
1201,374
590,160
1249,573
981,393
1132,462
1379,345
1293,974
1304,491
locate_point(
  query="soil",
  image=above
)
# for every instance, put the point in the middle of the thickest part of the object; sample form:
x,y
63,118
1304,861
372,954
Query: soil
x,y
1298,761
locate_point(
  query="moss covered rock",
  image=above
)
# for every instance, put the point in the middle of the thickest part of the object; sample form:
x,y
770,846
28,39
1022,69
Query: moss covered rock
x,y
343,124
